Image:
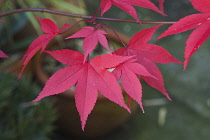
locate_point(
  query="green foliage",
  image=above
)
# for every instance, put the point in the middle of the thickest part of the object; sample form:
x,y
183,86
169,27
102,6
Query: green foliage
x,y
20,118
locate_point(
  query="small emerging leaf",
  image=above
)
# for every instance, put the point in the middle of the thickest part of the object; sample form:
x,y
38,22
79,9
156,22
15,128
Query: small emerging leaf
x,y
92,38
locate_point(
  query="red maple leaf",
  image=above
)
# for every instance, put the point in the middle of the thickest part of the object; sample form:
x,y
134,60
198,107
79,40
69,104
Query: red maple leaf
x,y
2,54
41,42
89,77
126,5
92,37
146,54
2,20
128,72
199,21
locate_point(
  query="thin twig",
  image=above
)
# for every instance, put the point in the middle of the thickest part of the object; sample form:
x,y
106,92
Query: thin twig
x,y
79,16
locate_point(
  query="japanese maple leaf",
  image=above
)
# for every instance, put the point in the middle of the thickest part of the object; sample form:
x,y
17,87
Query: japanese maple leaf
x,y
199,21
2,20
146,54
41,42
128,72
126,5
92,37
89,77
2,54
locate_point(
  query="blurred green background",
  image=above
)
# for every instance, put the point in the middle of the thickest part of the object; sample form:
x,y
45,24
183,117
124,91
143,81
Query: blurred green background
x,y
187,117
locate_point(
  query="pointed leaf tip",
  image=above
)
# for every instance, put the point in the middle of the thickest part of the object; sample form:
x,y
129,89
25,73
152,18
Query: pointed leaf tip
x,y
127,6
3,55
48,26
185,24
142,37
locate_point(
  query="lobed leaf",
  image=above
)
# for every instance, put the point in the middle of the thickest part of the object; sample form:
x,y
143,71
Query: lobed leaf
x,y
185,24
195,40
89,78
41,42
127,73
92,38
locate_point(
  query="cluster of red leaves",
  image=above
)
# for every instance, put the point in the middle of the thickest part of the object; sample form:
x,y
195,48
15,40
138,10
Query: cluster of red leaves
x,y
93,76
92,37
128,63
199,21
145,54
41,42
126,5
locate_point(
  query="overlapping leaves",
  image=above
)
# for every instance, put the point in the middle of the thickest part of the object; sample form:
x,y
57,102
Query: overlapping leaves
x,y
89,77
199,21
126,5
146,54
92,37
93,76
40,43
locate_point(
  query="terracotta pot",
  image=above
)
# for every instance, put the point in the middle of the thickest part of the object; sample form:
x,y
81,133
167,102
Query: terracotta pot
x,y
105,117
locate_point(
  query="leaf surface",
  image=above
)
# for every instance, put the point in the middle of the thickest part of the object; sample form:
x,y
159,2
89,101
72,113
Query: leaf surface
x,y
92,38
2,54
199,21
146,54
41,42
89,78
128,72
201,5
185,24
127,6
195,40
